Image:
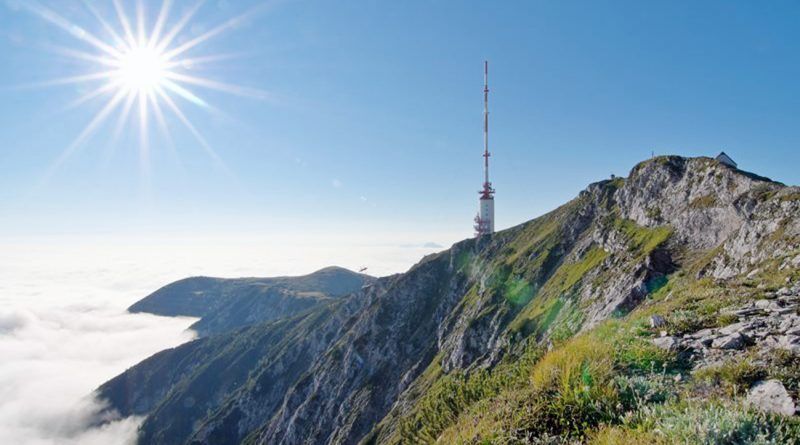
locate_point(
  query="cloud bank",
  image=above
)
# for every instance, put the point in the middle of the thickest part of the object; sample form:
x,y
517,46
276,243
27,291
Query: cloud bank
x,y
64,329
54,357
61,335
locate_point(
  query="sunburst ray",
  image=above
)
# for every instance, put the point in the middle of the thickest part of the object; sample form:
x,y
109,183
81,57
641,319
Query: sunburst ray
x,y
166,5
178,27
118,40
126,24
186,122
74,30
93,94
219,86
87,132
75,54
81,78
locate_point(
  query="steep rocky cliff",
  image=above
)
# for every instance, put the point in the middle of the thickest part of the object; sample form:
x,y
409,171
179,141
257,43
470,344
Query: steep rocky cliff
x,y
445,350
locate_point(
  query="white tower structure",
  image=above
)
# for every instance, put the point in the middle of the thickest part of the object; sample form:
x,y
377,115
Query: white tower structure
x,y
484,222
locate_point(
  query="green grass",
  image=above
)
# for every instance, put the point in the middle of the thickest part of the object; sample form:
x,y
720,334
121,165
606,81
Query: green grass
x,y
764,192
451,395
535,240
518,291
570,274
792,196
569,388
572,389
643,240
540,313
734,376
616,183
703,202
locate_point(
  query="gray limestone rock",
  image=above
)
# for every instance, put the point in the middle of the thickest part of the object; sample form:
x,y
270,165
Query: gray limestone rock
x,y
668,343
771,396
762,304
732,341
790,343
656,321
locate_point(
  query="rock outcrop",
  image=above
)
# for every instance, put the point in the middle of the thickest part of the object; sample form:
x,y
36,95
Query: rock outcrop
x,y
758,326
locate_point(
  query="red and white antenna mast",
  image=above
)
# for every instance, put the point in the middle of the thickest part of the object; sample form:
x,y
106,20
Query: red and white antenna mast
x,y
484,222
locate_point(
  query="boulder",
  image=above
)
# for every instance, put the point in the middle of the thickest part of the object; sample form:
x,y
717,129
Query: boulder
x,y
736,328
656,321
747,311
706,341
786,324
668,343
703,333
762,304
770,342
793,331
775,306
771,396
790,343
733,341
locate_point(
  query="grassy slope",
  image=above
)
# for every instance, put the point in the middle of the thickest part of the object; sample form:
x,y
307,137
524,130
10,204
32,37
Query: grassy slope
x,y
607,385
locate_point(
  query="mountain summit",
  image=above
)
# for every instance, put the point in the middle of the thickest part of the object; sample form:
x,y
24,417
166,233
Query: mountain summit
x,y
643,307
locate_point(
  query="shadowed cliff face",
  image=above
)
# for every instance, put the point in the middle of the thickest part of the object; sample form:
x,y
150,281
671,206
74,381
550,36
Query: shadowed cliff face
x,y
349,369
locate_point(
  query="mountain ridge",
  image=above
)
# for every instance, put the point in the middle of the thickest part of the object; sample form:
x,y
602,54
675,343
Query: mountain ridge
x,y
480,308
224,304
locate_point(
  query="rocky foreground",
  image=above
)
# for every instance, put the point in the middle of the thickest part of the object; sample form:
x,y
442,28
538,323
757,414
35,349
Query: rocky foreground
x,y
657,308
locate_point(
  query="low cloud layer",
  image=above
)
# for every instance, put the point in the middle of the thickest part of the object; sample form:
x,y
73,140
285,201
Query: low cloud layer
x,y
61,335
64,329
54,357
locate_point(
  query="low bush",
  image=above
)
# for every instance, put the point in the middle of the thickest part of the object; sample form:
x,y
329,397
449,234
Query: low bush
x,y
785,366
734,376
684,320
574,385
702,422
455,393
583,383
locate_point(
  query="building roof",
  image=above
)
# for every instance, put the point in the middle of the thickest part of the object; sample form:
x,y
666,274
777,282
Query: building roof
x,y
723,158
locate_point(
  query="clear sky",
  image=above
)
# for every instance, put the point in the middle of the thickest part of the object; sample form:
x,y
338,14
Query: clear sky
x,y
363,118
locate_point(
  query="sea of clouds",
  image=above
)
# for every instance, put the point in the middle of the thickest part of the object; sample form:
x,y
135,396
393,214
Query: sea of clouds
x,y
64,329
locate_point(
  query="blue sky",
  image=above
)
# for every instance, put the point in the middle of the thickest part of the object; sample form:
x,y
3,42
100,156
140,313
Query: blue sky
x,y
372,124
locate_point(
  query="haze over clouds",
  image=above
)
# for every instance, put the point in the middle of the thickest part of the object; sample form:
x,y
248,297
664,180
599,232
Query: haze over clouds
x,y
64,329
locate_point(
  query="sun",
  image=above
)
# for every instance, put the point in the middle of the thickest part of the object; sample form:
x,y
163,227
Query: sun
x,y
146,68
142,69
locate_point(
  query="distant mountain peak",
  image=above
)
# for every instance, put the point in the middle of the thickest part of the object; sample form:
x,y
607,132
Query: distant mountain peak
x,y
231,303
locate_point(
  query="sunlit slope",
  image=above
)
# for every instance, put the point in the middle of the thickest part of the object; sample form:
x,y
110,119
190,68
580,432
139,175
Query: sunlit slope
x,y
455,349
